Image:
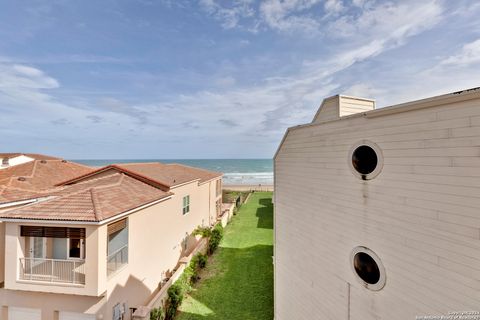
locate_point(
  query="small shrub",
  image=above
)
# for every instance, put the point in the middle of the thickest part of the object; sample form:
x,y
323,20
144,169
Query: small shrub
x,y
175,298
157,314
215,238
202,260
193,267
199,261
202,231
185,280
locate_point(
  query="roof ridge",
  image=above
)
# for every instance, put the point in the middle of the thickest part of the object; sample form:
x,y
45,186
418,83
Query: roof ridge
x,y
142,175
133,163
21,165
68,194
10,181
33,169
9,186
113,184
191,167
77,163
56,197
92,179
97,211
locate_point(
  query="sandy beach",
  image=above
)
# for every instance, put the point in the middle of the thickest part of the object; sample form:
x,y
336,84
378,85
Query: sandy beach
x,y
247,187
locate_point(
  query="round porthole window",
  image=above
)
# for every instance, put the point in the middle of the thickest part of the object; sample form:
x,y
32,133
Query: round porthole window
x,y
368,268
366,160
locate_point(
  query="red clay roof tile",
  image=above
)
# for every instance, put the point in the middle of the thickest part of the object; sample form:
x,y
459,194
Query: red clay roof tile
x,y
91,201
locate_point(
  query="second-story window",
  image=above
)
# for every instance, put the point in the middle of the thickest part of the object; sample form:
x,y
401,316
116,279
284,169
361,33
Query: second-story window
x,y
117,245
186,204
219,187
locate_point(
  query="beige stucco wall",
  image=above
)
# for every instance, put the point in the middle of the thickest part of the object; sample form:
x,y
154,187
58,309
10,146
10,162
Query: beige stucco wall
x,y
49,303
156,234
155,244
2,252
420,215
16,248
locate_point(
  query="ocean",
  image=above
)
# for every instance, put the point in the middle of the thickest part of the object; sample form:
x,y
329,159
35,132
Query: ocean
x,y
236,171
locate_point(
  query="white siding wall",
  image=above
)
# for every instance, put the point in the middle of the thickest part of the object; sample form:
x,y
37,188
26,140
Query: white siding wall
x,y
420,215
16,161
328,110
351,105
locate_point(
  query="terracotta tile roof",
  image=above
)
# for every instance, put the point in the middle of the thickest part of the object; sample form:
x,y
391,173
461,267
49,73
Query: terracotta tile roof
x,y
90,195
90,201
34,179
161,175
171,174
31,155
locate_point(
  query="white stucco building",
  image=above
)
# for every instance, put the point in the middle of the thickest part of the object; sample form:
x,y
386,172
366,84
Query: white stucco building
x,y
377,212
84,244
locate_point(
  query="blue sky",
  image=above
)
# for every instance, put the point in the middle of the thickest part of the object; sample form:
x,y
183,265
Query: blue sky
x,y
211,78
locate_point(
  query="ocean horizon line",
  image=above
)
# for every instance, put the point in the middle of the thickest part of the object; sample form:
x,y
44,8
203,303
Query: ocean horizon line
x,y
236,171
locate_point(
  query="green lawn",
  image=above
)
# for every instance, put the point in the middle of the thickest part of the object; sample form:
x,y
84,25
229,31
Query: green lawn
x,y
238,280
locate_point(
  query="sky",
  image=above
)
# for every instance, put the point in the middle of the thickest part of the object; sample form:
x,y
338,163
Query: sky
x,y
171,79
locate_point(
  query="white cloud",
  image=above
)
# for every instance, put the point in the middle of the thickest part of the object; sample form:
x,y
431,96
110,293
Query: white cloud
x,y
393,20
450,74
262,103
364,90
334,6
339,19
470,54
283,15
22,77
228,16
280,102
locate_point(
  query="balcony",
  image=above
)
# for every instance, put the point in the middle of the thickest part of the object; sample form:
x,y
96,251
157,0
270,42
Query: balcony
x,y
117,259
52,270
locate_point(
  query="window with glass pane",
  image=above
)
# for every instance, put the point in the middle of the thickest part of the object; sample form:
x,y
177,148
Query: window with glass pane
x,y
75,248
186,204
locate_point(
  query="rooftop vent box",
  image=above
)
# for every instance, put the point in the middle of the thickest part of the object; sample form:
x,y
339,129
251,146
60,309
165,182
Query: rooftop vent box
x,y
340,106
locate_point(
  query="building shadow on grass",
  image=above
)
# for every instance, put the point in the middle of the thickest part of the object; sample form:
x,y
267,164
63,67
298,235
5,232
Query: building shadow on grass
x,y
242,290
265,214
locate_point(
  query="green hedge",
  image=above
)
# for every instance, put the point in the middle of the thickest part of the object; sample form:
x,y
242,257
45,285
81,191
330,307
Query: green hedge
x,y
157,314
183,285
215,238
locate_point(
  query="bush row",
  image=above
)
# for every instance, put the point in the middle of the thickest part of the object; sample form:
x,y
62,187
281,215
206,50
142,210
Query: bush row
x,y
183,285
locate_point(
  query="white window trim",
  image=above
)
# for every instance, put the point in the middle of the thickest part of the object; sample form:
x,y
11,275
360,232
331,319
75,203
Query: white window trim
x,y
82,250
185,206
383,277
379,154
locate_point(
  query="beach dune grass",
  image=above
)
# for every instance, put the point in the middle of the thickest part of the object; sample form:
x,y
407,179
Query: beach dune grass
x,y
238,280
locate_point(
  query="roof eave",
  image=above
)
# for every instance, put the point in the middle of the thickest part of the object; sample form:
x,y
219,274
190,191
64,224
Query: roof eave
x,y
88,222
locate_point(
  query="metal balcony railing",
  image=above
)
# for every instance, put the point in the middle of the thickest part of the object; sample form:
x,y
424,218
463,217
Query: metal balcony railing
x,y
117,260
52,270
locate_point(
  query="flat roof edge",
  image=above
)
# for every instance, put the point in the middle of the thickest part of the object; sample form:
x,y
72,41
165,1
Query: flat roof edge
x,y
458,96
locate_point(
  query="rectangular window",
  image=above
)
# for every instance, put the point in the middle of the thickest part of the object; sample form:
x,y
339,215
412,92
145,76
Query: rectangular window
x,y
52,232
186,204
219,187
117,246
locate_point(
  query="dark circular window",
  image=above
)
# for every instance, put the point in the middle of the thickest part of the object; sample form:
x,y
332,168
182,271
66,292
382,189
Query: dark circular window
x,y
364,159
366,268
